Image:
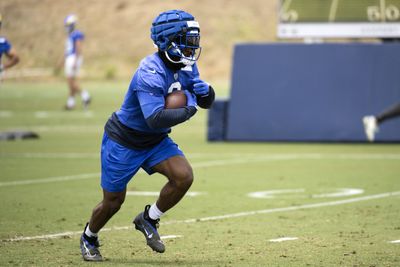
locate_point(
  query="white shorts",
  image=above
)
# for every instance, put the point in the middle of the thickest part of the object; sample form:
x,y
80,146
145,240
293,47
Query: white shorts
x,y
70,60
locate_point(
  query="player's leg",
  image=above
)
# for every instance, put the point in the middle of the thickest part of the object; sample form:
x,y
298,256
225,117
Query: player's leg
x,y
180,177
72,69
391,112
111,203
101,214
118,165
70,75
169,161
371,123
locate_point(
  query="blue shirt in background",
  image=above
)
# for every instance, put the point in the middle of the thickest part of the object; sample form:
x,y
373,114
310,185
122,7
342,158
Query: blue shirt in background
x,y
70,43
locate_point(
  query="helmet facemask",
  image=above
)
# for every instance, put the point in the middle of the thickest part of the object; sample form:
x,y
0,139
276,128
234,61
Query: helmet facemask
x,y
184,48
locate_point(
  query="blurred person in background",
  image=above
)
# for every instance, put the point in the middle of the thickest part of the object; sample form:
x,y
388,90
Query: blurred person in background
x,y
136,136
73,59
372,122
8,51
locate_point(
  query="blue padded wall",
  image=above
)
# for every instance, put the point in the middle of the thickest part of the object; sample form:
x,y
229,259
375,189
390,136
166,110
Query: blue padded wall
x,y
312,92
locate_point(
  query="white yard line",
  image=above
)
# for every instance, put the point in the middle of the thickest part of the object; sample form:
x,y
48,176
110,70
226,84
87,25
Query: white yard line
x,y
51,179
51,155
240,160
221,217
282,239
6,113
395,242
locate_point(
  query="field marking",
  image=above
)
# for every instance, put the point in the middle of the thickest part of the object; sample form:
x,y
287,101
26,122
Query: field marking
x,y
220,217
170,236
241,160
394,242
51,179
60,128
271,193
332,11
282,239
339,192
6,113
51,114
51,155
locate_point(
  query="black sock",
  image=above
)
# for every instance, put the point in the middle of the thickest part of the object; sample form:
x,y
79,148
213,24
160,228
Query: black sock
x,y
391,112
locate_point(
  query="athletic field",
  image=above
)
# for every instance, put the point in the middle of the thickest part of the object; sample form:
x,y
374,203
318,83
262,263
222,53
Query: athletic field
x,y
252,204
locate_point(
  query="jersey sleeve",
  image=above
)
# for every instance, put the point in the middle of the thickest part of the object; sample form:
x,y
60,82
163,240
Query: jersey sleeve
x,y
77,35
5,46
149,89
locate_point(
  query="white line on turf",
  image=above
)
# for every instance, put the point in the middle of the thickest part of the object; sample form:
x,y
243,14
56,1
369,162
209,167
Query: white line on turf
x,y
51,155
281,239
339,192
47,114
226,216
395,242
242,160
6,113
51,179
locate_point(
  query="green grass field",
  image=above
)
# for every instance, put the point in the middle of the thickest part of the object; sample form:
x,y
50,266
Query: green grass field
x,y
49,186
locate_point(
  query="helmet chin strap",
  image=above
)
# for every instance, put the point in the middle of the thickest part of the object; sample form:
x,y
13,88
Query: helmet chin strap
x,y
184,60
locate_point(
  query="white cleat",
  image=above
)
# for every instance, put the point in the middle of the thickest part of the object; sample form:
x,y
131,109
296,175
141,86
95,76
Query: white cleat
x,y
370,127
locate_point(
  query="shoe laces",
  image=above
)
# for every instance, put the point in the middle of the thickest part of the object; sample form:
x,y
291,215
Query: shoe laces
x,y
93,241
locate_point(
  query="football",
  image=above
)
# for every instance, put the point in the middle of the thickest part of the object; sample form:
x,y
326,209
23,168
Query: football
x,y
176,99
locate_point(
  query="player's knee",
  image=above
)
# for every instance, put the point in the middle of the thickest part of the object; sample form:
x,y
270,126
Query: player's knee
x,y
113,205
185,179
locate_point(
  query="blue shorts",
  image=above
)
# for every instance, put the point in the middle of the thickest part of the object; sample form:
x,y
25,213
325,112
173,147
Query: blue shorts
x,y
119,164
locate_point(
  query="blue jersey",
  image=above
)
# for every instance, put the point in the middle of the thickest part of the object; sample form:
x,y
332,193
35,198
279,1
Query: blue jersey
x,y
70,43
5,46
152,82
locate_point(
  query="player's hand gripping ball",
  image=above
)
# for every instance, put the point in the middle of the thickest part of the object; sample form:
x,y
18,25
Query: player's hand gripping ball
x,y
176,99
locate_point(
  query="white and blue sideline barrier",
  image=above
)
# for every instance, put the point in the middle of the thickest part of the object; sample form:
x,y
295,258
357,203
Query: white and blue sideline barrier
x,y
308,93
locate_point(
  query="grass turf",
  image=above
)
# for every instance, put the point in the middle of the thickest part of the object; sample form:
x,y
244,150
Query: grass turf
x,y
67,155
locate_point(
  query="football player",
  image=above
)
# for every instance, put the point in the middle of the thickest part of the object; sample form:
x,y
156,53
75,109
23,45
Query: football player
x,y
136,136
9,51
72,62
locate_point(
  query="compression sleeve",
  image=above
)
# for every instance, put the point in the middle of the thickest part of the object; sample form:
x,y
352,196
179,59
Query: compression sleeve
x,y
206,101
166,118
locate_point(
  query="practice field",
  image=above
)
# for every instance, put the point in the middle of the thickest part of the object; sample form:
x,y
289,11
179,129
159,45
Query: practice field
x,y
252,204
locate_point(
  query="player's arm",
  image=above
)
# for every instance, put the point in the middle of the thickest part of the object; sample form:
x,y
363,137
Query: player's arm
x,y
12,57
78,50
204,92
158,117
78,47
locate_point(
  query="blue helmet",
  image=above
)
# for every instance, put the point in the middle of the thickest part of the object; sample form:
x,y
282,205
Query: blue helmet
x,y
70,22
176,33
